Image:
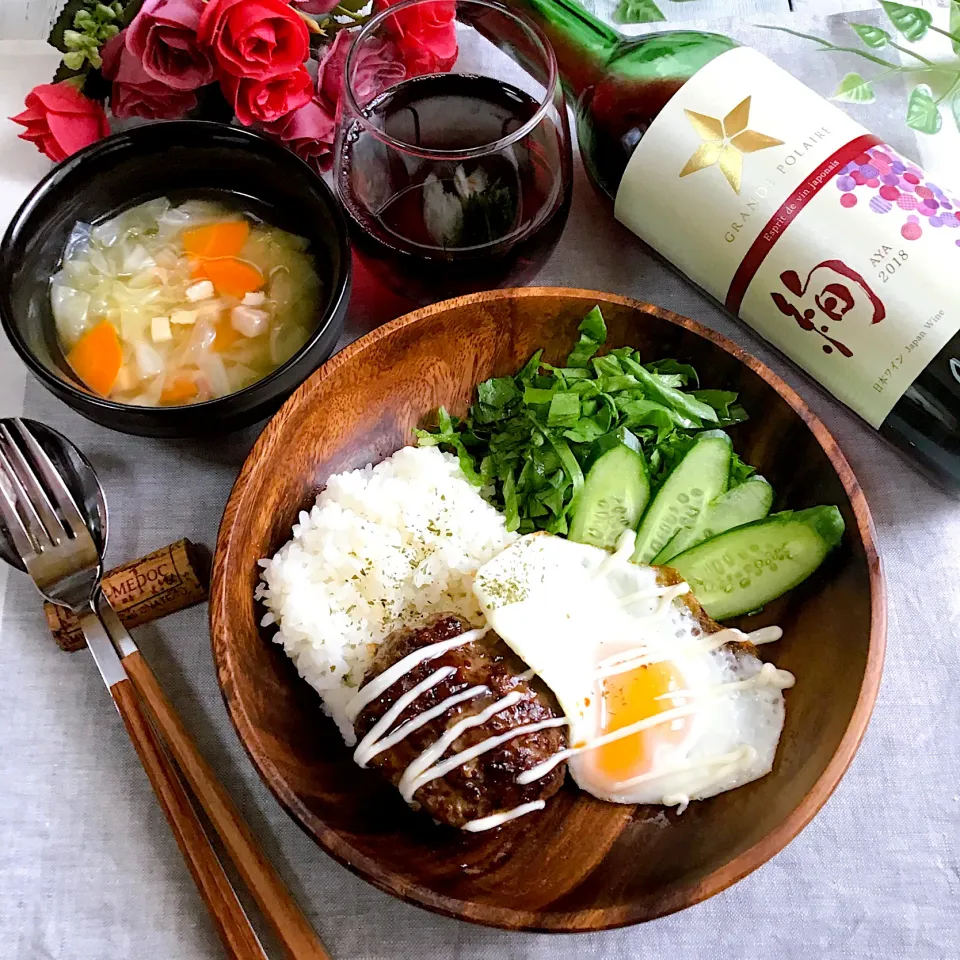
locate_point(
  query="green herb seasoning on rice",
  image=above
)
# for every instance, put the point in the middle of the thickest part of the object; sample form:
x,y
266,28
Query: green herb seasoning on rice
x,y
384,547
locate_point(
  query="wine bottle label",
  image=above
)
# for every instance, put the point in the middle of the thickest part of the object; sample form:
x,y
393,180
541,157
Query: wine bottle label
x,y
827,242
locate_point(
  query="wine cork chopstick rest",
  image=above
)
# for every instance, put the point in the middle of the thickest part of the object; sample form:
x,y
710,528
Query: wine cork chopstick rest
x,y
163,582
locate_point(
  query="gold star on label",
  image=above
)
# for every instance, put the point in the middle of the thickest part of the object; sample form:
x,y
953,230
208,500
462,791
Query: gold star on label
x,y
725,142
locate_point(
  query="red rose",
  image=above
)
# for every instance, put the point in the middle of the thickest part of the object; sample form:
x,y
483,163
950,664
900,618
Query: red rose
x,y
376,66
426,35
308,132
134,93
316,7
256,39
163,36
60,120
266,101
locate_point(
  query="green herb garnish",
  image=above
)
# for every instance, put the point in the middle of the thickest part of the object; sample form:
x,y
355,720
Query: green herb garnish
x,y
528,439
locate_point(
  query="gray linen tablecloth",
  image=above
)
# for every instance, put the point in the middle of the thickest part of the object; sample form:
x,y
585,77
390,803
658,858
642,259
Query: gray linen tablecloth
x,y
89,870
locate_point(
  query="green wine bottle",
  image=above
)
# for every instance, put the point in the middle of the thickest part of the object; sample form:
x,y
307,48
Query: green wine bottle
x,y
785,210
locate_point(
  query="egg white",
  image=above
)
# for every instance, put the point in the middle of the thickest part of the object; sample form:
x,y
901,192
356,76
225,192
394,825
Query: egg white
x,y
568,608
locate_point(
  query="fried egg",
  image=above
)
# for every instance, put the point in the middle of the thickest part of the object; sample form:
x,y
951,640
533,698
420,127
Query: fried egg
x,y
659,710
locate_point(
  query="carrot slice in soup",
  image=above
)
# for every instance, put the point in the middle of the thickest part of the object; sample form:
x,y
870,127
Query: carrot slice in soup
x,y
225,335
232,278
97,357
180,390
216,239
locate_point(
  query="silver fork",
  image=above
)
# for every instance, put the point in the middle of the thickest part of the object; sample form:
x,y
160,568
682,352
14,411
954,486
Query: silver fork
x,y
51,536
59,552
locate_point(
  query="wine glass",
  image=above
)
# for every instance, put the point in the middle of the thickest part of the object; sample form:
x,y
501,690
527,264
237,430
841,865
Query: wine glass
x,y
452,156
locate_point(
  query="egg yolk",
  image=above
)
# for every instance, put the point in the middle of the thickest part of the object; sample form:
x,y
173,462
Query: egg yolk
x,y
628,698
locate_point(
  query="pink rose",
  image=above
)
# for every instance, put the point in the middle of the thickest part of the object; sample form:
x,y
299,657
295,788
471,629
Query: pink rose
x,y
377,65
316,7
256,39
266,101
60,120
426,35
308,132
134,93
163,36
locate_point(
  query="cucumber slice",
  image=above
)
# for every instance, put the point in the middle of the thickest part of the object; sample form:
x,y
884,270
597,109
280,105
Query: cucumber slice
x,y
614,496
741,570
697,480
743,504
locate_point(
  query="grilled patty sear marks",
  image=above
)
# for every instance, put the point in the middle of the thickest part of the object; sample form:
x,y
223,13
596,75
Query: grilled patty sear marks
x,y
485,785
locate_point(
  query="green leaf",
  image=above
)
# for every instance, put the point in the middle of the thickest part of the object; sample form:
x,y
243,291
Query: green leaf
x,y
854,89
684,370
685,404
593,333
564,410
922,111
535,395
955,105
739,471
528,439
912,22
955,26
498,392
586,431
64,22
615,384
530,368
593,326
638,11
570,464
607,366
723,401
511,510
647,413
872,36
73,60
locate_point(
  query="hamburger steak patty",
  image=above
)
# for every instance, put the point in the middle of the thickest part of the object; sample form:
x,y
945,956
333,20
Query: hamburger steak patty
x,y
485,785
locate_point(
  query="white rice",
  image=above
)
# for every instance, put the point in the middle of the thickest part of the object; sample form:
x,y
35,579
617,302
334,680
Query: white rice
x,y
384,546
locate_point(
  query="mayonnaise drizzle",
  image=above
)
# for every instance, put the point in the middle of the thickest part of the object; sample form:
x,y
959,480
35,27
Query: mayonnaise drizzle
x,y
666,595
379,685
464,756
411,781
498,819
621,554
428,765
643,656
767,676
743,756
402,732
372,744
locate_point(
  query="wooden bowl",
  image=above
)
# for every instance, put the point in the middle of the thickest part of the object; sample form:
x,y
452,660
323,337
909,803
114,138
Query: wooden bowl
x,y
581,864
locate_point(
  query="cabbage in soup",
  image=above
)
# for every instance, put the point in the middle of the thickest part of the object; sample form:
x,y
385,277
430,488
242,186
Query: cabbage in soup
x,y
165,305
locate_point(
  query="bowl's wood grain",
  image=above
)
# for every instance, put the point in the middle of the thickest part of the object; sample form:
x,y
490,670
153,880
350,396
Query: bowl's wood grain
x,y
581,864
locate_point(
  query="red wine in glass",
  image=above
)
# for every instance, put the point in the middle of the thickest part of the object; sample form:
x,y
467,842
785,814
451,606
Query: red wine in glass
x,y
457,182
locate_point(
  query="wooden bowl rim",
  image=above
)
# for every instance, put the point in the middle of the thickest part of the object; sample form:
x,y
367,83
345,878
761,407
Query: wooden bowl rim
x,y
532,920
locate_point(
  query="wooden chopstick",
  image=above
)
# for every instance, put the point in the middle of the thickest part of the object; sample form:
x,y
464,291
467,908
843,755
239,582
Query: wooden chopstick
x,y
233,926
281,911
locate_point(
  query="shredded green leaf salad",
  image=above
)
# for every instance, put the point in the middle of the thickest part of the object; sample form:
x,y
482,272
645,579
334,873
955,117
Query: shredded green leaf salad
x,y
529,439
